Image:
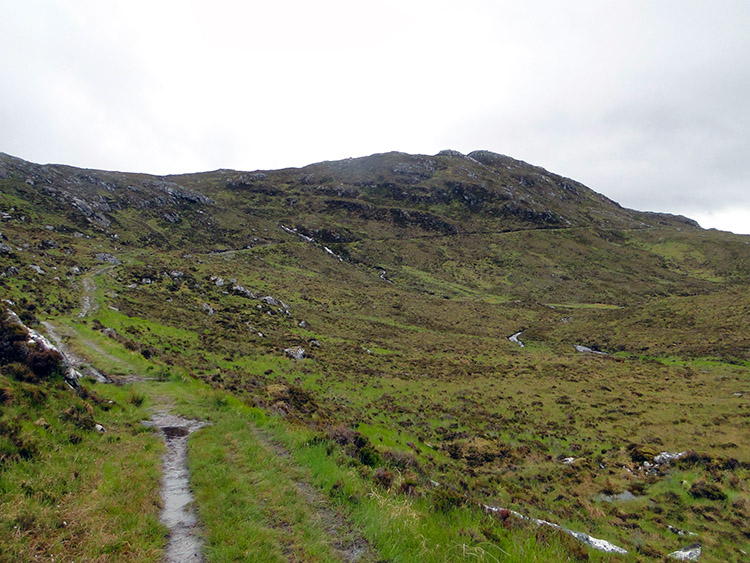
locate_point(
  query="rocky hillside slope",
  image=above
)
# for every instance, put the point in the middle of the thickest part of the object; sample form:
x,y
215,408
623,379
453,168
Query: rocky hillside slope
x,y
372,300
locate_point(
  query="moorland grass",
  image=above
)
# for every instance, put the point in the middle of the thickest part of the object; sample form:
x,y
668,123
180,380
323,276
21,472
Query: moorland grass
x,y
487,418
84,495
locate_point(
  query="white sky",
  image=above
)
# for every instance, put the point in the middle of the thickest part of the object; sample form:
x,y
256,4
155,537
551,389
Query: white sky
x,y
646,101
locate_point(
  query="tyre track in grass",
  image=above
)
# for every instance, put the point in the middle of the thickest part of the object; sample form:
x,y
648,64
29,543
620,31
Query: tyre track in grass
x,y
347,543
88,295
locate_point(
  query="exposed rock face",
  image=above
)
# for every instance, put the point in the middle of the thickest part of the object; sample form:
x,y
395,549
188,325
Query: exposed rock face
x,y
414,170
296,352
40,354
326,235
240,290
398,216
689,553
108,258
273,302
490,158
586,350
515,338
596,543
250,182
450,152
667,457
96,194
179,193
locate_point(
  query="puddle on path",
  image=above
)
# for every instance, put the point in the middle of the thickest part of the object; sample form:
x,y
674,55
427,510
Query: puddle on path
x,y
178,514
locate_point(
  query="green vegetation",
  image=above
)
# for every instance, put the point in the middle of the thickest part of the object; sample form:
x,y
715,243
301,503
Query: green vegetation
x,y
408,378
68,491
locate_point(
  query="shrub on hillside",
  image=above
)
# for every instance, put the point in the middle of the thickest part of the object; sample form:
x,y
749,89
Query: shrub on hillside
x,y
13,446
445,499
12,341
24,360
45,363
401,459
18,371
81,415
356,444
6,396
409,484
702,489
345,436
383,477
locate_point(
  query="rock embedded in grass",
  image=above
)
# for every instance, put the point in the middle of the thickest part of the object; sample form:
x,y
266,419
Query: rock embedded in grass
x,y
689,553
295,352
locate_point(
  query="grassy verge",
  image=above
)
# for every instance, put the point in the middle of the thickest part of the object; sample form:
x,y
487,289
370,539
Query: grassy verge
x,y
80,494
429,527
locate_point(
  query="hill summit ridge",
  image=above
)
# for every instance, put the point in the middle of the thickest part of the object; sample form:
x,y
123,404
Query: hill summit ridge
x,y
448,192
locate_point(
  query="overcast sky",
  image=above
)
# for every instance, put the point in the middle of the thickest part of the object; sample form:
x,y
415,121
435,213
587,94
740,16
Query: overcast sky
x,y
645,101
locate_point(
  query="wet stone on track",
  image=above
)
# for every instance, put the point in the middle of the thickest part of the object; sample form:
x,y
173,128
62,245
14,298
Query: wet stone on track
x,y
185,544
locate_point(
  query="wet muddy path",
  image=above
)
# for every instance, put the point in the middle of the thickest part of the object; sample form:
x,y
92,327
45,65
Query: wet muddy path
x,y
178,514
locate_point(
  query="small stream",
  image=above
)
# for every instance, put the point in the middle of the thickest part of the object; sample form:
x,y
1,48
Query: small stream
x,y
185,544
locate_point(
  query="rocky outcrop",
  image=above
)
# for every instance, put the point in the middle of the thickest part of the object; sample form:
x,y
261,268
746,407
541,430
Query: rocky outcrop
x,y
451,152
178,193
415,169
515,338
253,183
596,543
295,352
689,553
240,290
399,217
542,218
326,235
21,343
107,258
586,350
96,195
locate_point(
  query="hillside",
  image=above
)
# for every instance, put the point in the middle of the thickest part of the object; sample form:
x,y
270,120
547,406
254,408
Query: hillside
x,y
401,277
